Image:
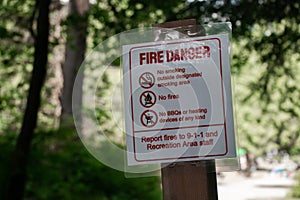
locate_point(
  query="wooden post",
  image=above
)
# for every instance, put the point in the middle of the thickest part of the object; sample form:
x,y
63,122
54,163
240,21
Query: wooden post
x,y
194,180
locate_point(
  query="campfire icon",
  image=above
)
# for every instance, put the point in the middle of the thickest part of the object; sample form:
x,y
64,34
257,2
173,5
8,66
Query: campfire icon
x,y
148,99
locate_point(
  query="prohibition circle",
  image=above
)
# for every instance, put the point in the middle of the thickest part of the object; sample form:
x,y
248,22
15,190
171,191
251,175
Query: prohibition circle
x,y
147,99
146,80
149,118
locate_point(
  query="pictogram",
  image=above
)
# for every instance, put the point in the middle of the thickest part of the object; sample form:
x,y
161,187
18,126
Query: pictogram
x,y
148,99
149,118
146,80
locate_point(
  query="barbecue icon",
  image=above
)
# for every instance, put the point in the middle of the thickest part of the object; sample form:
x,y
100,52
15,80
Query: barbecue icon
x,y
149,118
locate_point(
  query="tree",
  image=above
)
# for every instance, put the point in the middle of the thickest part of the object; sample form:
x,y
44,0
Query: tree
x,y
75,52
265,65
15,62
111,17
17,179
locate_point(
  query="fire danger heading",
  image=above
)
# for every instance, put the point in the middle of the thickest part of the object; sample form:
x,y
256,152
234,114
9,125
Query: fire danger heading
x,y
190,53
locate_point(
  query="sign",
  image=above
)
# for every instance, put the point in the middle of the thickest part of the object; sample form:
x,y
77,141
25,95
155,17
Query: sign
x,y
178,102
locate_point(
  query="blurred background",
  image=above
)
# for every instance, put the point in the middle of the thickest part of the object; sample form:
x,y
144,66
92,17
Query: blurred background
x,y
42,46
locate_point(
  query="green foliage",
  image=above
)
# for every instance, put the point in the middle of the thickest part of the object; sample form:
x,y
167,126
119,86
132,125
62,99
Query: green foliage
x,y
17,30
266,40
61,168
267,119
111,17
6,148
265,61
295,193
271,89
15,61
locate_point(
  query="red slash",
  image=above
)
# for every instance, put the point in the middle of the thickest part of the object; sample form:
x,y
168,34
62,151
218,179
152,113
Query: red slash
x,y
149,118
146,80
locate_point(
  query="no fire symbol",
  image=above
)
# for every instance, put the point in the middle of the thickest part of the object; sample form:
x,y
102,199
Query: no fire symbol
x,y
147,99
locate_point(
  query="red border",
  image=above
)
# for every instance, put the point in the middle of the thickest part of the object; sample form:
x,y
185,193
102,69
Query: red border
x,y
224,116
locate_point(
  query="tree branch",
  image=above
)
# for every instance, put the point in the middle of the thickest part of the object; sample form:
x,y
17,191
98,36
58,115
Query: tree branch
x,y
32,18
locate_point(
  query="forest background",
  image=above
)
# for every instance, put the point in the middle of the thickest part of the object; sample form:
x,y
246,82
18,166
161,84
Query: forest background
x,y
43,44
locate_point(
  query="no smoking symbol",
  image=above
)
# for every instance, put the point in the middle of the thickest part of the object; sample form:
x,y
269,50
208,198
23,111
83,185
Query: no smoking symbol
x,y
147,99
149,118
146,80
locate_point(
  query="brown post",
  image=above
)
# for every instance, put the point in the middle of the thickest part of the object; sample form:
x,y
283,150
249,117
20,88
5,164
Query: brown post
x,y
194,180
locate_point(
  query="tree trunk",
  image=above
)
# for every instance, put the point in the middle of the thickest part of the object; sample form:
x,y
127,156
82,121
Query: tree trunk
x,y
17,179
75,52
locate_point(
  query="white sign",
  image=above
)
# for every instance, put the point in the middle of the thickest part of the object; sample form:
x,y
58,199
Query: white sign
x,y
178,102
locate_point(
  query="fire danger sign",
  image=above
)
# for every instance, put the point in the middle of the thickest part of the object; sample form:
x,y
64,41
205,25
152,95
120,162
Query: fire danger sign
x,y
178,101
